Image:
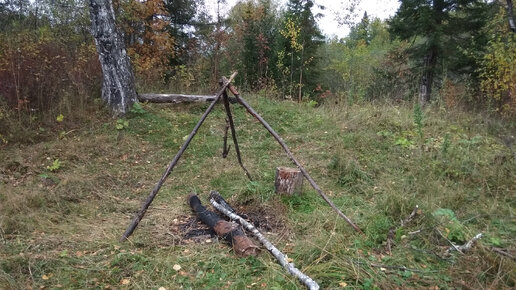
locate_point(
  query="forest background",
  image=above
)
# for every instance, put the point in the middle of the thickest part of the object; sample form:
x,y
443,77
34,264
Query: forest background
x,y
49,64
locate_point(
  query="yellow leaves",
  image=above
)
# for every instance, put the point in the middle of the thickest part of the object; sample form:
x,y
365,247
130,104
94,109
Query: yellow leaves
x,y
60,118
151,53
45,277
292,32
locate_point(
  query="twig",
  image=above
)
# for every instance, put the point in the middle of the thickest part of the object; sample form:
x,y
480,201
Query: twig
x,y
291,156
503,252
390,235
410,217
466,247
172,164
225,147
282,258
450,242
402,268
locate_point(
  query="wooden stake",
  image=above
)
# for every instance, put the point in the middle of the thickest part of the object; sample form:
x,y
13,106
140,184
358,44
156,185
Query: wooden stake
x,y
225,99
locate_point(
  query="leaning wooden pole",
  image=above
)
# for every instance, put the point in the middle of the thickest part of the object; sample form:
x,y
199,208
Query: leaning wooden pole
x,y
291,156
225,100
173,163
216,200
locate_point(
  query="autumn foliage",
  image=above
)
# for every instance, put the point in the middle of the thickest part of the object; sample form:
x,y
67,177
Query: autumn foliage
x,y
37,70
150,45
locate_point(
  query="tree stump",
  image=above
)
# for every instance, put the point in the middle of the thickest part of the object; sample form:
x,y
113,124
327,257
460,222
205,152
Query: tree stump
x,y
288,180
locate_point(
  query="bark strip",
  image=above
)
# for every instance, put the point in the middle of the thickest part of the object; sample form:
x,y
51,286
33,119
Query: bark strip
x,y
172,164
291,156
231,232
282,258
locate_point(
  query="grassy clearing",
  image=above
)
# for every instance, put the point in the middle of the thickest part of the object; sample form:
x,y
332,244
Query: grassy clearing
x,y
60,222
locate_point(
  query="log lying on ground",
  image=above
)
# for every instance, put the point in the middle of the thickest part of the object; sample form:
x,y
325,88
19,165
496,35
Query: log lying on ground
x,y
231,232
177,98
220,204
174,98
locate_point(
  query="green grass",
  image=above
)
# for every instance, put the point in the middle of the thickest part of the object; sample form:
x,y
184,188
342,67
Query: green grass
x,y
60,228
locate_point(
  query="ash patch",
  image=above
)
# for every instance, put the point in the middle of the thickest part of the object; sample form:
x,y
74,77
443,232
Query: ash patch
x,y
187,229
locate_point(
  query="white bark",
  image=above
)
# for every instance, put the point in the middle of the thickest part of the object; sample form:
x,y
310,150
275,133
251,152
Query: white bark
x,y
118,89
282,258
466,247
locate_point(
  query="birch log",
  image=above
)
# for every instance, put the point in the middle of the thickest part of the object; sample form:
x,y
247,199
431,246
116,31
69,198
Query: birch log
x,y
282,258
174,98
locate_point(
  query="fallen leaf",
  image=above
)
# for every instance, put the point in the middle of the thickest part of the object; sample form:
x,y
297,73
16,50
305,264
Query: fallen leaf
x,y
176,267
125,281
162,288
343,284
45,277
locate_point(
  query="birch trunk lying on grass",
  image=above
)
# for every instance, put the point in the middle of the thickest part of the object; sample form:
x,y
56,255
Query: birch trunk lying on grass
x,y
217,201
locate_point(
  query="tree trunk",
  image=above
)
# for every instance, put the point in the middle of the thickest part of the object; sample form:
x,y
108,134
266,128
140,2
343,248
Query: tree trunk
x,y
118,89
288,180
425,85
510,15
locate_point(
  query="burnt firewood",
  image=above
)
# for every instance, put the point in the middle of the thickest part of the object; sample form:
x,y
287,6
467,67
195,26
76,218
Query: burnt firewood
x,y
230,232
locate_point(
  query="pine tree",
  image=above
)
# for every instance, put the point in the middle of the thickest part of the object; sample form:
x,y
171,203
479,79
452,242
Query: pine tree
x,y
440,31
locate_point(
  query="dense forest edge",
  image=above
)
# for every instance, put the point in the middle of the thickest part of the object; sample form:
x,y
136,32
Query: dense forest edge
x,y
418,109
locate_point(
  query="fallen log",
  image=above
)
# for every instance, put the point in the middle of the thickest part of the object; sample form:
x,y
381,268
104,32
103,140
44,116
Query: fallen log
x,y
221,205
177,98
174,98
231,232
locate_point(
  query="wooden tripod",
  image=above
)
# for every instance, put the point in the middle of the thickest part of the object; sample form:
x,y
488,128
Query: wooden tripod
x,y
226,84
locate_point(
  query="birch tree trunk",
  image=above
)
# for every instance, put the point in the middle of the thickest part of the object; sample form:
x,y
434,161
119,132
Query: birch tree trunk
x,y
425,85
510,15
118,89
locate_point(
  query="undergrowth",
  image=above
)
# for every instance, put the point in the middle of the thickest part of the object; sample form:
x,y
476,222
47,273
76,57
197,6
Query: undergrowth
x,y
60,221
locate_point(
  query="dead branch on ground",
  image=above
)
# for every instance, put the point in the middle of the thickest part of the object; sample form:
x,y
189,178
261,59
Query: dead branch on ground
x,y
282,258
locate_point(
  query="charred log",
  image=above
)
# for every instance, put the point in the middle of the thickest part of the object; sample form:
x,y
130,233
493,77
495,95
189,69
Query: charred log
x,y
230,232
